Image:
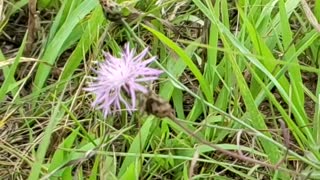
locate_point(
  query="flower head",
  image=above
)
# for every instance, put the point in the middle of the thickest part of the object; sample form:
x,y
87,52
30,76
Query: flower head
x,y
118,80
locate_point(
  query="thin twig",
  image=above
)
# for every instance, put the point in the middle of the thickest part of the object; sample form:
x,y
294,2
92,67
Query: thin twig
x,y
286,140
32,26
193,163
310,16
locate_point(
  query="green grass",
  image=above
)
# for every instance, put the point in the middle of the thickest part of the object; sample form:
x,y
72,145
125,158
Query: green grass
x,y
232,71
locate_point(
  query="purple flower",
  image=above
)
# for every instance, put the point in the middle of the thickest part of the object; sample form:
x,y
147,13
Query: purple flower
x,y
118,80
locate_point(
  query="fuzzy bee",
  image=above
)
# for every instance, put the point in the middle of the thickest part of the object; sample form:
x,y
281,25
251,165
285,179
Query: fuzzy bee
x,y
157,106
112,10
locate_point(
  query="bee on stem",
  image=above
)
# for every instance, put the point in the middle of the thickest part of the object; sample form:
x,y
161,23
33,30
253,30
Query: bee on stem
x,y
157,106
111,10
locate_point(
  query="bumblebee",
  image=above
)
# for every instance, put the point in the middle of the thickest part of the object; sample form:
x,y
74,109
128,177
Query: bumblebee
x,y
112,11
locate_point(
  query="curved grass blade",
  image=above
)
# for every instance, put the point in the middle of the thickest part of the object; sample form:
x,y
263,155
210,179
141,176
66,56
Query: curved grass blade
x,y
194,69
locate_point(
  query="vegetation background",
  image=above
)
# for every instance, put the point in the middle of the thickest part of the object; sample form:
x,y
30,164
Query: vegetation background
x,y
242,75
